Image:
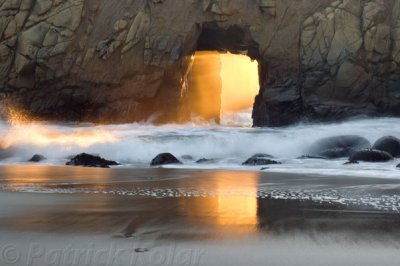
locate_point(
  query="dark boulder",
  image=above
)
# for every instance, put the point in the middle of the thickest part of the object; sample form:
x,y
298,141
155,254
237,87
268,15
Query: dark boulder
x,y
337,153
206,161
398,166
89,160
37,158
339,147
141,250
370,155
165,158
260,159
388,144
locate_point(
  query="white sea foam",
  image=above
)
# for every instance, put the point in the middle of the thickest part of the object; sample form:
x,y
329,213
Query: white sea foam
x,y
134,145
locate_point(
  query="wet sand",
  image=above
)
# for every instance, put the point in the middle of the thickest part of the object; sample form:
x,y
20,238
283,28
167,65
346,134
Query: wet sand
x,y
80,216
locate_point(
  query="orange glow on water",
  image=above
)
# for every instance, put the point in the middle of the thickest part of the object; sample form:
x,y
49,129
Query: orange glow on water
x,y
240,82
21,130
41,135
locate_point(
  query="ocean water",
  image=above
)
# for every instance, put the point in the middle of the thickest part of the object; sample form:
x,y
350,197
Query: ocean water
x,y
229,144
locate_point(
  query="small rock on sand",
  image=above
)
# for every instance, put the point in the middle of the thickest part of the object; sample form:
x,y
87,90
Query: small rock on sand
x,y
165,158
89,160
37,158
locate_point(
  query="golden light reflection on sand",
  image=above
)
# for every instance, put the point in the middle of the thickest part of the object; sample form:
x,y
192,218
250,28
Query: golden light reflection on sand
x,y
234,206
41,174
230,208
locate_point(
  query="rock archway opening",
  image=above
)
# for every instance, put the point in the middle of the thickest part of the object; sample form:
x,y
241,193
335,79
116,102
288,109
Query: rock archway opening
x,y
222,87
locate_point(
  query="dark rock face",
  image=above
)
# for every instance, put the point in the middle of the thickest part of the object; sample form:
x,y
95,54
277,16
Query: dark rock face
x,y
165,158
89,160
339,147
370,155
124,61
388,144
260,159
37,158
398,166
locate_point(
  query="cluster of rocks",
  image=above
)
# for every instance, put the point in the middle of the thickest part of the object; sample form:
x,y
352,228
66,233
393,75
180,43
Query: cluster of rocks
x,y
256,159
356,148
83,159
90,160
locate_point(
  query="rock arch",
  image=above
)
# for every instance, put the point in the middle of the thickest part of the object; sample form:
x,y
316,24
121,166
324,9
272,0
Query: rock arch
x,y
204,82
124,61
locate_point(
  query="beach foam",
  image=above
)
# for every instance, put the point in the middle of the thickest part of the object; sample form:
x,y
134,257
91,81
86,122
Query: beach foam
x,y
134,145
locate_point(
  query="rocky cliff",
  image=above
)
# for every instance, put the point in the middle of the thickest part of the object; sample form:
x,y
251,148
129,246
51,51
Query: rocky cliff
x,y
129,60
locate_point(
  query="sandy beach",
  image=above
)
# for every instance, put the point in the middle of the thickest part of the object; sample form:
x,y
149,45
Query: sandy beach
x,y
81,216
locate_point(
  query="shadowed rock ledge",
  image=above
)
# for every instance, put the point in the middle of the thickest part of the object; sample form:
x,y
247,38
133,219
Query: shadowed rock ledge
x,y
125,61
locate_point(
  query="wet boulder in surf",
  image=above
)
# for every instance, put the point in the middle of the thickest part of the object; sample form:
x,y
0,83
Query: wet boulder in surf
x,y
89,160
370,155
260,159
339,146
206,161
388,144
398,166
37,158
165,158
337,153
